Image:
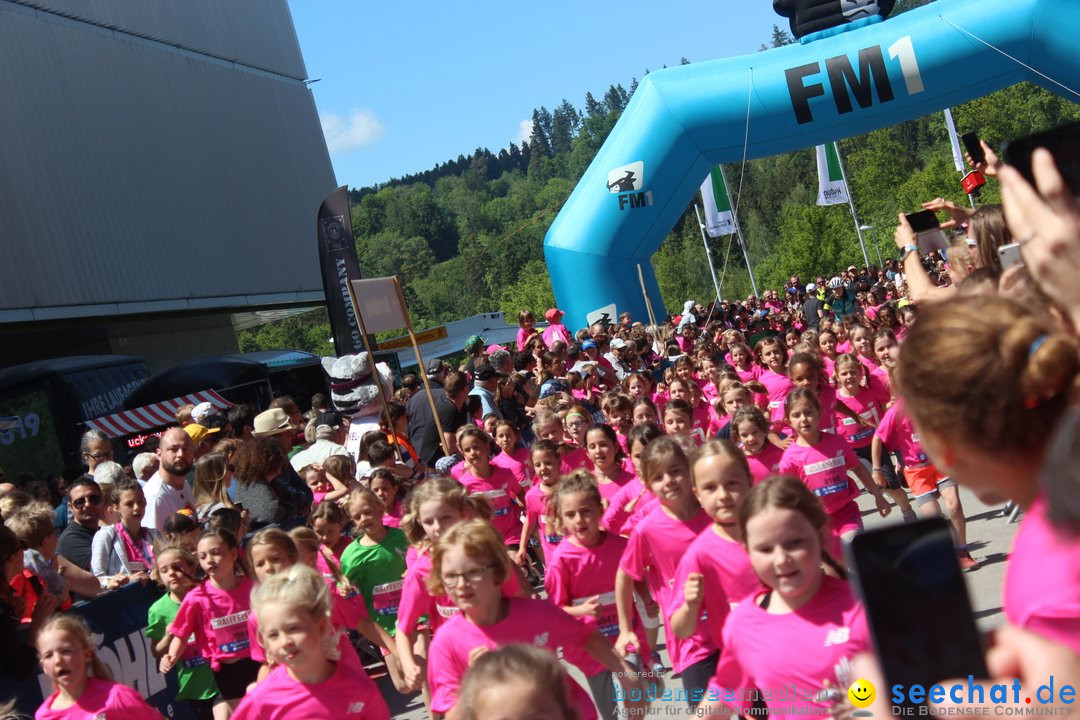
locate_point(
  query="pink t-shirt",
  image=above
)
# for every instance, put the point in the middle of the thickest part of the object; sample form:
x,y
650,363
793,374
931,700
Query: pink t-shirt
x,y
522,336
219,620
897,433
778,387
345,614
765,463
609,488
100,699
536,515
555,332
416,601
574,459
799,650
321,563
656,545
700,424
531,622
867,405
1047,603
843,348
346,695
753,373
827,398
617,518
500,488
574,575
823,468
518,465
727,577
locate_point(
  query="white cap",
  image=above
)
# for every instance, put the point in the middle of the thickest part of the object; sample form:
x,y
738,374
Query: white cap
x,y
811,287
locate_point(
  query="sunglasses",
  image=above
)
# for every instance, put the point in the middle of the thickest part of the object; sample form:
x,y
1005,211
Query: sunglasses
x,y
83,501
99,456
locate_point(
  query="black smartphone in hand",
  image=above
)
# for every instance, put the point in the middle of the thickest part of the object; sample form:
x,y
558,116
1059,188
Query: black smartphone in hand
x,y
1063,143
923,221
971,144
917,607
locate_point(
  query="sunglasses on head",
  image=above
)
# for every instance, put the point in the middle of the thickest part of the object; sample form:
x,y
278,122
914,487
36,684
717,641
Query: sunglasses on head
x,y
89,499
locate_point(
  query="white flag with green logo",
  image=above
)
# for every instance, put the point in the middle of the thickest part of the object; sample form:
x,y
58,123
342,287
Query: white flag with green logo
x,y
719,220
831,187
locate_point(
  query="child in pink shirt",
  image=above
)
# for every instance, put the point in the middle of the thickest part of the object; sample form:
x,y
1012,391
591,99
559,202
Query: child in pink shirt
x,y
652,555
822,462
545,467
511,456
751,429
470,563
499,486
526,328
434,507
580,579
311,680
606,456
772,356
797,638
82,686
216,612
328,521
633,500
715,572
555,329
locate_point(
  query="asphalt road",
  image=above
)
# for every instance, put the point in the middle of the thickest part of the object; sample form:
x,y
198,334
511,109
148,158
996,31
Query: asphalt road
x,y
990,538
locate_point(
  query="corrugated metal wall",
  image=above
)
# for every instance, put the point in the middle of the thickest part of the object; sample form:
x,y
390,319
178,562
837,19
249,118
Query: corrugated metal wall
x,y
138,177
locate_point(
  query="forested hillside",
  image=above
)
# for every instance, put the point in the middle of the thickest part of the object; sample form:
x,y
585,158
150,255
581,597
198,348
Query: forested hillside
x,y
467,236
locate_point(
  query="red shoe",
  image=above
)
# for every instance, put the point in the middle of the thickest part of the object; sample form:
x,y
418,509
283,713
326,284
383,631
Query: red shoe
x,y
966,561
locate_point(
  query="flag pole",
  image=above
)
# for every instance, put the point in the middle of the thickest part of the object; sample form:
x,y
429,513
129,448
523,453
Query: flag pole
x,y
851,203
645,294
708,253
742,241
958,156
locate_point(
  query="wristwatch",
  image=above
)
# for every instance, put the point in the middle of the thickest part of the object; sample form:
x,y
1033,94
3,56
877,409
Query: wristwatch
x,y
907,250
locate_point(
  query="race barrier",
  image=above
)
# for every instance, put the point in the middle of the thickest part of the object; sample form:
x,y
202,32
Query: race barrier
x,y
117,621
682,121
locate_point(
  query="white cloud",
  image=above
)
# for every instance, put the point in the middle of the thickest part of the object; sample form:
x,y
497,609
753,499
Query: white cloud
x,y
347,134
524,131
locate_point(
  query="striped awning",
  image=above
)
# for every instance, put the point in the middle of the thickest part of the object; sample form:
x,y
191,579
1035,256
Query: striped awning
x,y
155,416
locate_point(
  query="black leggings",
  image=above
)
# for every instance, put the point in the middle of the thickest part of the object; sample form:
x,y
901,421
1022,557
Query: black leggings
x,y
695,679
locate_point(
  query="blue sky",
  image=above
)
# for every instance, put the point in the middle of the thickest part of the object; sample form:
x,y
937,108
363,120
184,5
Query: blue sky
x,y
405,85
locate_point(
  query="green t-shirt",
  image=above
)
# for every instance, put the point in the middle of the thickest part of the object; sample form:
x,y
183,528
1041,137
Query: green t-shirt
x,y
377,572
193,673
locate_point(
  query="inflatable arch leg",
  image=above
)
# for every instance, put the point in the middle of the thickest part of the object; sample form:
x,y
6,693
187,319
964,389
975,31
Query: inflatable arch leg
x,y
681,121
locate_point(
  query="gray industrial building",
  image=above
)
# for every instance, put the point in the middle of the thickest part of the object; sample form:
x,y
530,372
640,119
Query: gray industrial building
x,y
161,169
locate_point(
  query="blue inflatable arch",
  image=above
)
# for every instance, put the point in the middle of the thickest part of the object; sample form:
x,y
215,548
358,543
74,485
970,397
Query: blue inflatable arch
x,y
682,121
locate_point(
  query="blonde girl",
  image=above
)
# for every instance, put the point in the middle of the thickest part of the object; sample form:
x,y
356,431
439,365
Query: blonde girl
x,y
213,476
310,680
432,508
82,684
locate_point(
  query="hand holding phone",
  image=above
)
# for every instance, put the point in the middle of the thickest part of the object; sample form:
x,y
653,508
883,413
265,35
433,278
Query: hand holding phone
x,y
927,229
1063,144
1009,255
916,604
974,148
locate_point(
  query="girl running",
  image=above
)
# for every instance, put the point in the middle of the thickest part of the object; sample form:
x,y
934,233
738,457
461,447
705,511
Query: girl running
x,y
511,455
822,461
499,486
176,567
216,613
470,564
679,419
516,681
715,574
752,431
387,487
310,679
580,579
772,356
607,458
82,684
328,521
633,500
545,468
804,629
652,555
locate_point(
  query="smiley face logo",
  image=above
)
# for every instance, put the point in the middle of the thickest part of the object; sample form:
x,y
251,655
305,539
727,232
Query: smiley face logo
x,y
861,693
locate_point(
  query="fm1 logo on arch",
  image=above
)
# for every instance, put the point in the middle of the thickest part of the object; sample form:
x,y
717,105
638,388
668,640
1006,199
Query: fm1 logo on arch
x,y
847,83
627,182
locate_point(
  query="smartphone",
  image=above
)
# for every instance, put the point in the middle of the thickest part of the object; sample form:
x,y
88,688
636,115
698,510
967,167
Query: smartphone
x,y
1063,143
923,221
971,144
917,605
1009,255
